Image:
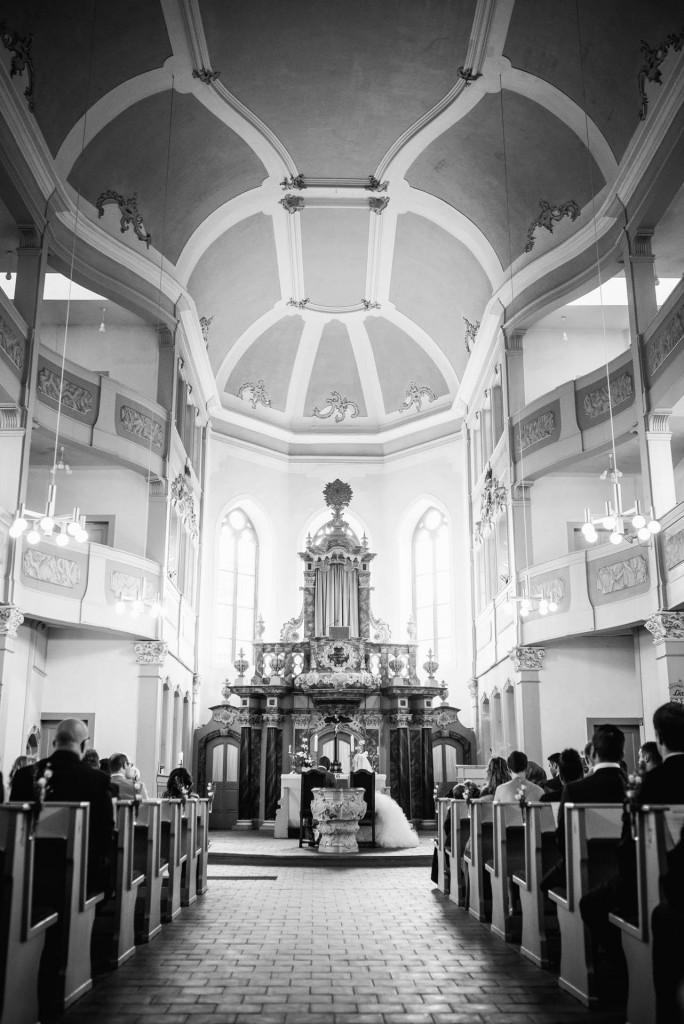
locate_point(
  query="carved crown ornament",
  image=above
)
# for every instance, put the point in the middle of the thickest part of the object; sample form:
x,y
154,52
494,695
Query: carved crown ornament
x,y
549,215
666,626
205,325
130,214
415,395
492,507
338,405
205,75
301,181
527,658
20,48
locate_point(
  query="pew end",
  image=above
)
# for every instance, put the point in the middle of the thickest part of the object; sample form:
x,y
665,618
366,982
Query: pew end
x,y
460,834
149,862
114,942
171,855
481,838
540,854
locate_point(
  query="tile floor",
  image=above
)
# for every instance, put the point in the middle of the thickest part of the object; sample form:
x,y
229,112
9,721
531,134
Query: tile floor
x,y
337,945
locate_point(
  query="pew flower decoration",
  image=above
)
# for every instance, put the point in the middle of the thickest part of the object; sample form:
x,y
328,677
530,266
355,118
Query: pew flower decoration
x,y
210,795
521,797
42,787
632,802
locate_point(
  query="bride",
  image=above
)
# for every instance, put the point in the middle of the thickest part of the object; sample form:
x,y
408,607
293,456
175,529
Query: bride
x,y
393,830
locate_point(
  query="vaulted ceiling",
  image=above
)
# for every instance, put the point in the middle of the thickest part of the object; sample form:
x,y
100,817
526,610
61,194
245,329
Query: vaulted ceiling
x,y
338,190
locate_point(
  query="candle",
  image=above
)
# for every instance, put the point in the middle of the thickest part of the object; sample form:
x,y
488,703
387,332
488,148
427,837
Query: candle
x,y
180,758
352,743
316,743
289,749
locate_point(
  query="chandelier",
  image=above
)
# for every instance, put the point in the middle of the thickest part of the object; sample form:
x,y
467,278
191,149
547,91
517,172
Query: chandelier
x,y
624,524
38,525
527,602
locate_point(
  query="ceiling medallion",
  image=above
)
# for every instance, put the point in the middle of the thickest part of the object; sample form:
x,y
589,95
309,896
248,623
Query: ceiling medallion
x,y
258,394
21,59
548,215
415,396
130,215
338,405
650,69
471,333
205,75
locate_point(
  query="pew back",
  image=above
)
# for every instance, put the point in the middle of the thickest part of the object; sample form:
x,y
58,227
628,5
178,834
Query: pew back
x,y
600,825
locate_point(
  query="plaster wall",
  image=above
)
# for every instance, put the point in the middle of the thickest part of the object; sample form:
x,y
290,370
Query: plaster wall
x,y
22,691
89,673
557,500
127,354
98,491
654,685
284,500
549,361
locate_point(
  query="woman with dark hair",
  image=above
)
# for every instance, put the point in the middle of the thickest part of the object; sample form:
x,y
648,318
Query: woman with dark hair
x,y
179,786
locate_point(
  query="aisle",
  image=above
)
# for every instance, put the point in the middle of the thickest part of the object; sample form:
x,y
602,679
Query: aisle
x,y
343,946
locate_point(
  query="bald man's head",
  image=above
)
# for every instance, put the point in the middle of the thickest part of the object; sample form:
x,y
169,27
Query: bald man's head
x,y
71,735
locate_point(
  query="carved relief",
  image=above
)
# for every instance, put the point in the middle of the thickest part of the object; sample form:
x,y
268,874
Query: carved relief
x,y
674,549
290,629
130,214
666,626
205,75
400,719
55,569
535,430
415,396
378,205
205,323
150,652
301,304
142,426
549,590
600,401
255,394
20,48
73,396
527,658
622,575
337,405
549,215
225,716
12,345
183,500
492,506
272,719
10,620
380,631
665,340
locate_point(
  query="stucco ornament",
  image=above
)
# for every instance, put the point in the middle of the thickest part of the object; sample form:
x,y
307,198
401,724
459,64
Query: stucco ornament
x,y
666,626
150,652
548,215
10,620
415,396
335,403
130,214
527,658
183,501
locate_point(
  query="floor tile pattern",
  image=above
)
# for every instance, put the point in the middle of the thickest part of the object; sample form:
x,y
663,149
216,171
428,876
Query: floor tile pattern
x,y
341,946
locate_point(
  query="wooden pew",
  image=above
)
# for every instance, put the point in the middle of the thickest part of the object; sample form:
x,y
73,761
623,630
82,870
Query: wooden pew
x,y
148,861
592,833
443,806
171,853
203,811
22,925
460,834
189,853
61,837
116,919
508,856
481,835
657,830
541,853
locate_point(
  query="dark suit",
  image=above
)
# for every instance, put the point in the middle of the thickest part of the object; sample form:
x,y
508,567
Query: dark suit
x,y
664,784
72,781
552,791
603,786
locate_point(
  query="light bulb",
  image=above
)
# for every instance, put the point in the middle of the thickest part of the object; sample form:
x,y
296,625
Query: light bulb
x,y
644,533
18,527
47,524
33,536
82,536
592,536
543,607
120,607
524,606
73,528
553,607
638,521
615,537
587,528
608,523
654,526
62,539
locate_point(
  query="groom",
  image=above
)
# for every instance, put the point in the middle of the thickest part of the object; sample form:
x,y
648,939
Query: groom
x,y
329,781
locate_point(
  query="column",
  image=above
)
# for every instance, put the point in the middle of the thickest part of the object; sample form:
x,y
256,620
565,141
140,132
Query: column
x,y
521,525
485,734
667,630
247,810
274,766
658,438
427,773
527,662
10,620
400,760
150,656
308,606
515,371
510,738
473,690
364,603
11,442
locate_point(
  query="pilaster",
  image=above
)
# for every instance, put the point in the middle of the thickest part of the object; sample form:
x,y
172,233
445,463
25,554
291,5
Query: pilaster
x,y
658,441
527,662
667,630
521,525
150,656
515,370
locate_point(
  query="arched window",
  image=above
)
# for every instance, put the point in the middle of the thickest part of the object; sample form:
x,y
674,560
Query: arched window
x,y
431,587
238,552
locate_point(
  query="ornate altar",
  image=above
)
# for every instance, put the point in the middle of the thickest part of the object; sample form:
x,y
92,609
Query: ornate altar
x,y
333,680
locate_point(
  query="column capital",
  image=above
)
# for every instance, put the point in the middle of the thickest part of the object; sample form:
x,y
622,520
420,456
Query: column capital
x,y
520,490
29,236
665,626
272,719
10,620
473,687
641,244
400,719
659,422
247,719
513,340
527,659
150,652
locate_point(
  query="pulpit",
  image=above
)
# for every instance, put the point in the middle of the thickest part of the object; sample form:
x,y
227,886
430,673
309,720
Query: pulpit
x,y
338,813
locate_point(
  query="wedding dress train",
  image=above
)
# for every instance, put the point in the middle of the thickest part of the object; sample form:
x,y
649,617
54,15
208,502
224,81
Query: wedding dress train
x,y
393,830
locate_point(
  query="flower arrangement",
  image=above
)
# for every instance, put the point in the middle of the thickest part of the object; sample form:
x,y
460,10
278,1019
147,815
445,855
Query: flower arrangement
x,y
42,786
521,797
301,758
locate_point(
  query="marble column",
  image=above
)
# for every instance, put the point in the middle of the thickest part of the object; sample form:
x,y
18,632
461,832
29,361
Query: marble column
x,y
364,604
427,775
150,657
527,662
667,630
274,764
400,761
245,786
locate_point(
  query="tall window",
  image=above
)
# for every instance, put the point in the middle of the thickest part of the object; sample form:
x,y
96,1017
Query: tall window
x,y
431,587
237,575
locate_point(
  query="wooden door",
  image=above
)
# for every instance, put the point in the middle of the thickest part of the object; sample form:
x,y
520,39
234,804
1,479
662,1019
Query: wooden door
x,y
223,772
48,728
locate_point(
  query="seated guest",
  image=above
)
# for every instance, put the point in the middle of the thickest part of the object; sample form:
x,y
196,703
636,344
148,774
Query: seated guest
x,y
667,926
71,780
649,757
570,769
92,758
122,786
497,774
605,784
179,786
535,773
664,784
509,792
553,787
20,762
588,758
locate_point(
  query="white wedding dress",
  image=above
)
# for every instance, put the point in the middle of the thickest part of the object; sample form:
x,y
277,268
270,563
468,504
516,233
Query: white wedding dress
x,y
393,830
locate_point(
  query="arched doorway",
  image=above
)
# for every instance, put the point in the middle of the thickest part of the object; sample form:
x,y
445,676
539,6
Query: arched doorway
x,y
223,768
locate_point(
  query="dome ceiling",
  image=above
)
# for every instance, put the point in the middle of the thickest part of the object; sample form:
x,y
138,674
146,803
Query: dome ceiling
x,y
330,190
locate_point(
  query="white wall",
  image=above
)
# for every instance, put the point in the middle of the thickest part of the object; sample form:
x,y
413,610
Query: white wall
x,y
284,499
22,692
550,362
128,354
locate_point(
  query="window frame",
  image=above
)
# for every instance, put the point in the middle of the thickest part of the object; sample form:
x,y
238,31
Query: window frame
x,y
433,573
235,572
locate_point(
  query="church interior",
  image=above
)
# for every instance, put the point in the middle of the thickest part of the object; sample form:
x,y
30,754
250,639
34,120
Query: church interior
x,y
341,408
